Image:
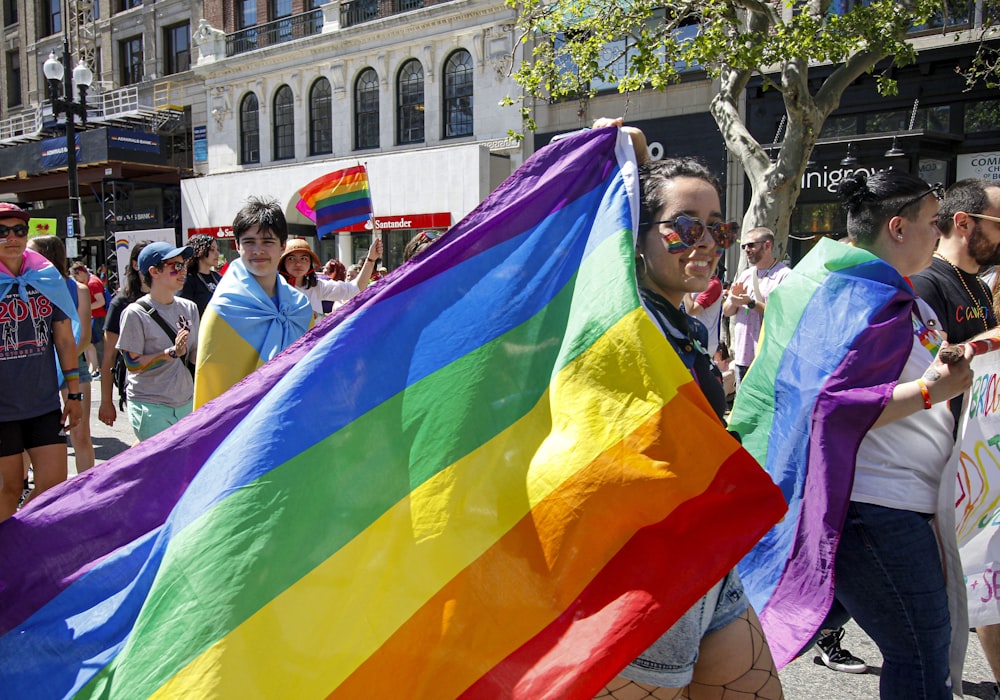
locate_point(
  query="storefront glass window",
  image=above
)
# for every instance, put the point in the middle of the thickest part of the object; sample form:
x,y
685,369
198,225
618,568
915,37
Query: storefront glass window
x,y
839,126
810,221
934,118
982,116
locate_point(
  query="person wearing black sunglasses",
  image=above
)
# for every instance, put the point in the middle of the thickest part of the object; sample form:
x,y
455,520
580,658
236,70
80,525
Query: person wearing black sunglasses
x,y
718,643
748,296
37,319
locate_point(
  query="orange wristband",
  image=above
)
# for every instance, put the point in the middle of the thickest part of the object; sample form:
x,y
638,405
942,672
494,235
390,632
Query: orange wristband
x,y
925,393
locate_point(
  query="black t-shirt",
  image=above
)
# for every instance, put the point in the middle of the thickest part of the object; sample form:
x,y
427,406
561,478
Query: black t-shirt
x,y
961,317
199,288
113,321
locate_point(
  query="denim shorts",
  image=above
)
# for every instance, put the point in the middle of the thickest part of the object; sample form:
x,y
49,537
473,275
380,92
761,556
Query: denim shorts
x,y
669,663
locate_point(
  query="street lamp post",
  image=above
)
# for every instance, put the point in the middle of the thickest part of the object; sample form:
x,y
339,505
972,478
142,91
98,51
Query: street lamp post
x,y
62,102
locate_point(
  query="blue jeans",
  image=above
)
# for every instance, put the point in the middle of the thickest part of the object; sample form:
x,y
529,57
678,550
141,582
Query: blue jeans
x,y
889,579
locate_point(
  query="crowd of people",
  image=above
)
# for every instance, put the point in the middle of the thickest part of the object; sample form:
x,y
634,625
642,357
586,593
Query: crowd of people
x,y
178,334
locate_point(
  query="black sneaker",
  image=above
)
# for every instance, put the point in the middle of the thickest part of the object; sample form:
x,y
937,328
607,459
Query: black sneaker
x,y
836,658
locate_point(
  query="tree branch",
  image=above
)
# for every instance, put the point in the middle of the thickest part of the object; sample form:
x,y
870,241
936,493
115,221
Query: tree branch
x,y
828,95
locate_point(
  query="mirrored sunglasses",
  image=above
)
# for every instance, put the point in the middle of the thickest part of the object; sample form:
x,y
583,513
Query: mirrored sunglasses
x,y
686,232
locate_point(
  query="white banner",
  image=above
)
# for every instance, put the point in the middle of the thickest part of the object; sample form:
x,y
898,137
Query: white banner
x,y
124,240
977,491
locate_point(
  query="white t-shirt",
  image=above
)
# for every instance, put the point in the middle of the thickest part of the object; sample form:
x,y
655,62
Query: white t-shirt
x,y
329,290
900,464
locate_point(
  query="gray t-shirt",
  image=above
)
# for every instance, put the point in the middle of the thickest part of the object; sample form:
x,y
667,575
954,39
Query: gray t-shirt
x,y
169,383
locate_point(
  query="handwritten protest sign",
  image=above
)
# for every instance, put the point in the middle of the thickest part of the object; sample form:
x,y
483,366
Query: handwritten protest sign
x,y
977,491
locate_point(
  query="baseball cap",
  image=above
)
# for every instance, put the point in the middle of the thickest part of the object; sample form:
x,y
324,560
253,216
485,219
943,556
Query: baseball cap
x,y
155,253
12,211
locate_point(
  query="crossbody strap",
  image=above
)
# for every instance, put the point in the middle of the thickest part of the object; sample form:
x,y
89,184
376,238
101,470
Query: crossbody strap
x,y
147,307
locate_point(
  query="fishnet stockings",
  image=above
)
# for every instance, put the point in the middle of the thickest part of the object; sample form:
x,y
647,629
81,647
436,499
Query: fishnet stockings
x,y
734,664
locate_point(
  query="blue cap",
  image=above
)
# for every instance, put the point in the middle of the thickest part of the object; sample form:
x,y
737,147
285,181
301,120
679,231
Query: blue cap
x,y
155,253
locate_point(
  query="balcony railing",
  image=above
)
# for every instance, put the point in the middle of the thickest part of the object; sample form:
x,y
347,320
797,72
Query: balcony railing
x,y
360,11
276,32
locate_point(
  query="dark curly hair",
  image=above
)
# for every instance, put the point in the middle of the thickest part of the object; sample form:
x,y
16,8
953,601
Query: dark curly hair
x,y
201,244
871,200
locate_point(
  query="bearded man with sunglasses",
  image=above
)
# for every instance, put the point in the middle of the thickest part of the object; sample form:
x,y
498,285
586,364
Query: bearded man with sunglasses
x,y
970,242
158,339
748,296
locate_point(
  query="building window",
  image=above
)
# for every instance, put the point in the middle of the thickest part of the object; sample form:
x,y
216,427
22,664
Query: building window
x,y
130,60
9,12
410,101
51,17
458,95
177,48
366,110
122,5
278,10
13,79
320,118
284,124
249,130
247,14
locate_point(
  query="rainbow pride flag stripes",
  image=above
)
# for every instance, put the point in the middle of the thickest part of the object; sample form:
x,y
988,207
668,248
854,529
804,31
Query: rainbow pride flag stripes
x,y
337,200
487,476
828,362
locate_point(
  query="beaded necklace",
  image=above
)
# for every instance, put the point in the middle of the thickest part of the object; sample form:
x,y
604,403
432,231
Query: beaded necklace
x,y
961,278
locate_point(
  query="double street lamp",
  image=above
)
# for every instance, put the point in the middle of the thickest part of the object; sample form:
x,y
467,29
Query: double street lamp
x,y
61,95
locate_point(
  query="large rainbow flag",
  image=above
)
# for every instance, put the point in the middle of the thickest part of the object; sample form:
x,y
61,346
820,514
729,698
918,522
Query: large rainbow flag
x,y
337,200
487,476
833,325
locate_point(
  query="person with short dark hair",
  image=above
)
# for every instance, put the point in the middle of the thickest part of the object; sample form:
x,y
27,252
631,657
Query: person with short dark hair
x,y
158,341
970,242
748,294
37,338
254,313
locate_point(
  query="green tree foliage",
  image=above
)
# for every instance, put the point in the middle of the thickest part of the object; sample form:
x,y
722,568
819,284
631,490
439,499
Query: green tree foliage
x,y
573,45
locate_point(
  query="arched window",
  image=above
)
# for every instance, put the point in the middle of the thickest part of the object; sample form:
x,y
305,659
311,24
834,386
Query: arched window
x,y
320,118
284,124
458,94
410,101
366,110
249,129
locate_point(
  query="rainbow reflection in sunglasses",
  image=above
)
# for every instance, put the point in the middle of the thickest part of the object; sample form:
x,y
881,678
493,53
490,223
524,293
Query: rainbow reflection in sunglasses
x,y
19,230
686,231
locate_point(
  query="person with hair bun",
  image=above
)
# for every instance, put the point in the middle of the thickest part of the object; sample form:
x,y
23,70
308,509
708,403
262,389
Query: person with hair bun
x,y
867,422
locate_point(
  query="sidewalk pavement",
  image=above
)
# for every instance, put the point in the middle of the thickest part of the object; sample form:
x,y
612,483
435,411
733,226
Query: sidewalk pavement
x,y
803,678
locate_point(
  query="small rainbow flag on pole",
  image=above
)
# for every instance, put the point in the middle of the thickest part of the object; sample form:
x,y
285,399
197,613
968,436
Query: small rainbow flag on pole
x,y
486,477
337,200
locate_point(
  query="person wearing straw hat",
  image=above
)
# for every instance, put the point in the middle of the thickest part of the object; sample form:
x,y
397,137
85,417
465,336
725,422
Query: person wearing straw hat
x,y
299,263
